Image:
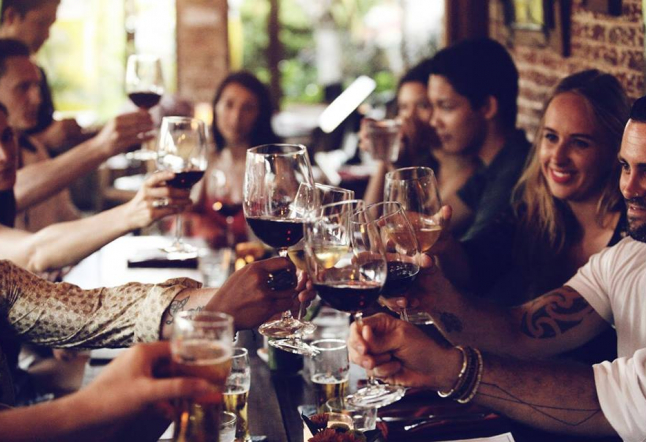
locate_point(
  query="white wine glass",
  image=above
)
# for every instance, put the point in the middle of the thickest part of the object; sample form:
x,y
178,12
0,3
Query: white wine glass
x,y
416,189
182,150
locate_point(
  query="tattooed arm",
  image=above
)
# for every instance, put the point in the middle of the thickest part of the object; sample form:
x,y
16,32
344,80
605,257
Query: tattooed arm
x,y
551,324
552,395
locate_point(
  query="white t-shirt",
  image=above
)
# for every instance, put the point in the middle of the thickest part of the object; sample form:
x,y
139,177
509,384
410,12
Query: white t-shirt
x,y
614,283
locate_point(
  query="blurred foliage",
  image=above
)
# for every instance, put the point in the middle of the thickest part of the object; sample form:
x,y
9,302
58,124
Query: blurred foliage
x,y
298,67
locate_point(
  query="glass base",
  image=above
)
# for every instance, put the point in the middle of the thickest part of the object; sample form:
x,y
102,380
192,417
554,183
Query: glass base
x,y
281,328
180,250
376,396
417,318
296,346
308,328
141,155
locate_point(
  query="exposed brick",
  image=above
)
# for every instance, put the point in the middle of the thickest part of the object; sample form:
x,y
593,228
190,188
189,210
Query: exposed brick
x,y
611,44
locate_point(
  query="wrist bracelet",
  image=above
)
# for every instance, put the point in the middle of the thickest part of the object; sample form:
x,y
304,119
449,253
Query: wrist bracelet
x,y
473,390
460,380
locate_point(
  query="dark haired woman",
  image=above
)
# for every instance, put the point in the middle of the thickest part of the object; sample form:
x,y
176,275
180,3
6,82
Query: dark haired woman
x,y
242,111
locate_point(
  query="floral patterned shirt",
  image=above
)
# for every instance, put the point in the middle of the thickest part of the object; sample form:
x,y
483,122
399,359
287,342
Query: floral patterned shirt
x,y
63,315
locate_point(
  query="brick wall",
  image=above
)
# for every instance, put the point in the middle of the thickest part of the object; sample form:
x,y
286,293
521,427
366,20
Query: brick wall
x,y
202,53
611,44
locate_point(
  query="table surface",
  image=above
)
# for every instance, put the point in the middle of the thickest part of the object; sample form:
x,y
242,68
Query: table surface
x,y
273,398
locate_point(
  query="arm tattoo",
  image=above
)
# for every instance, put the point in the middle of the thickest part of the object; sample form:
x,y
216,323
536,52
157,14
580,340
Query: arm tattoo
x,y
554,314
176,307
579,415
451,322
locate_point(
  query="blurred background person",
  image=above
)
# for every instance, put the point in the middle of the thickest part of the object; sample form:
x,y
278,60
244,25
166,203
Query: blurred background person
x,y
242,112
420,145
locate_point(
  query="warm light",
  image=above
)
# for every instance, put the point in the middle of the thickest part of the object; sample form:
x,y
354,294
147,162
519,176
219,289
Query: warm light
x,y
204,112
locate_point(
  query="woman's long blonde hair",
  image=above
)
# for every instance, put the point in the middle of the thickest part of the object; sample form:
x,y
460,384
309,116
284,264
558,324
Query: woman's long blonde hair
x,y
545,218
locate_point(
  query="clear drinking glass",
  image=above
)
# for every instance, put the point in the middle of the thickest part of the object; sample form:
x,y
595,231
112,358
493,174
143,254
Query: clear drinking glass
x,y
416,189
236,392
182,150
145,87
201,346
330,370
347,265
228,424
273,176
400,245
385,139
224,199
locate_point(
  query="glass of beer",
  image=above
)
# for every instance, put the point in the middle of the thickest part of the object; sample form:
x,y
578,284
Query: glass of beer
x,y
330,370
385,139
236,392
201,346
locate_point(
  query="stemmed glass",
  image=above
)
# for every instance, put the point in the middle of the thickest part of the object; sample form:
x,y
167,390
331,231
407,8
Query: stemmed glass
x,y
201,346
416,189
223,199
145,87
273,176
400,246
182,150
347,264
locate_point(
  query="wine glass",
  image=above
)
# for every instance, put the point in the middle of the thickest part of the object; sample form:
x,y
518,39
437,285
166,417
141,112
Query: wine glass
x,y
400,246
308,199
201,346
347,265
145,87
222,198
273,175
415,188
182,150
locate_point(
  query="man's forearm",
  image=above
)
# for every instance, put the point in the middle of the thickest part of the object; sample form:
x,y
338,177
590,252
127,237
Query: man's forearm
x,y
187,300
63,244
39,181
553,396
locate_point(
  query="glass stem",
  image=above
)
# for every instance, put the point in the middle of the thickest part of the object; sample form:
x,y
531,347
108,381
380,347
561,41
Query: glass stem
x,y
358,317
287,315
178,229
230,236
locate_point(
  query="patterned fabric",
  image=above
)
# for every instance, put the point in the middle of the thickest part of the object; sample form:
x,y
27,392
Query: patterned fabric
x,y
65,316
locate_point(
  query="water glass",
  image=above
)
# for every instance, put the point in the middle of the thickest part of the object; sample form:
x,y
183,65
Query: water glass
x,y
330,370
214,266
227,427
364,419
236,392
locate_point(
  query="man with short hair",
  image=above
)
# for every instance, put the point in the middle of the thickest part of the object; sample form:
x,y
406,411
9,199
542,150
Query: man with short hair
x,y
605,399
473,89
40,177
29,21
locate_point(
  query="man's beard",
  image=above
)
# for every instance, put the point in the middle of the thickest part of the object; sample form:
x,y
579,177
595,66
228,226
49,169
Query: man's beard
x,y
636,230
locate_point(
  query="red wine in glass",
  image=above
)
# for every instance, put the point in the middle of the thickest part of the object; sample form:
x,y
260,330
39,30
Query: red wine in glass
x,y
186,179
277,233
349,296
401,276
227,209
145,100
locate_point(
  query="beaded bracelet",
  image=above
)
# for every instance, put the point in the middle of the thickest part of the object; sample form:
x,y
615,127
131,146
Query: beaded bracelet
x,y
460,380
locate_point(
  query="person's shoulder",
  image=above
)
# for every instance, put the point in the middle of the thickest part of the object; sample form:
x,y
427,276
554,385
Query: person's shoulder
x,y
628,249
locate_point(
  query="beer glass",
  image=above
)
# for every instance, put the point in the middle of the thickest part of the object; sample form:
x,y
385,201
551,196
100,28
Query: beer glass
x,y
201,346
330,370
385,139
236,392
